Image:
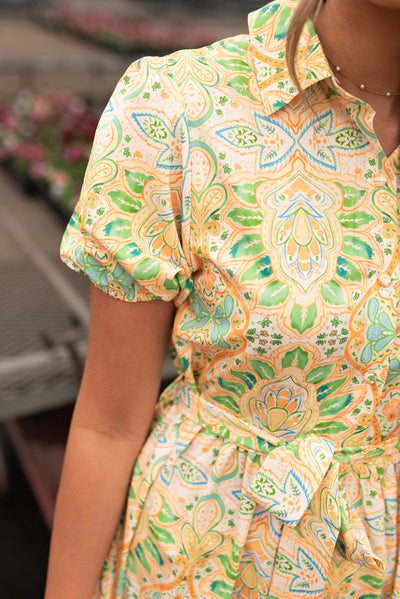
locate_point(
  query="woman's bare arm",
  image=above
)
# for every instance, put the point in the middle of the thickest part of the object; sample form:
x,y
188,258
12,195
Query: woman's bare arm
x,y
111,419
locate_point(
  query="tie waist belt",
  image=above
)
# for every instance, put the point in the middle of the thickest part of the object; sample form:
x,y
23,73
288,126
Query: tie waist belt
x,y
298,482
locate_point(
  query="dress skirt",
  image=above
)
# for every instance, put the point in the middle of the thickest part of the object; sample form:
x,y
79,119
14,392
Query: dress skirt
x,y
216,511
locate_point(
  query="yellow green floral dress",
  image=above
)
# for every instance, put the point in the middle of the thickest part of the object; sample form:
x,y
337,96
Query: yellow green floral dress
x,y
272,467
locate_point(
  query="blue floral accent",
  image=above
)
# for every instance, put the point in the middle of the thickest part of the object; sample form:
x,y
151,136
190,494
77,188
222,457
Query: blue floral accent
x,y
219,320
380,332
394,370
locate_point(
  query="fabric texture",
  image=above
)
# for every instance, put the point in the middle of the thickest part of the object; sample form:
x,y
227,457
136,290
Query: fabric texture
x,y
272,467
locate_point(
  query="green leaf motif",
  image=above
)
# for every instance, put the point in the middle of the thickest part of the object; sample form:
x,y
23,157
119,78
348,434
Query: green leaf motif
x,y
136,181
161,534
373,581
247,217
236,551
125,202
235,388
227,566
319,373
221,589
127,252
348,270
240,84
328,388
263,369
263,15
329,428
356,248
234,64
351,195
334,405
154,127
132,565
171,284
190,473
247,377
167,516
248,245
152,549
260,19
274,294
297,357
283,23
119,227
137,470
228,402
350,138
246,192
141,555
302,318
333,294
236,46
146,270
355,220
261,269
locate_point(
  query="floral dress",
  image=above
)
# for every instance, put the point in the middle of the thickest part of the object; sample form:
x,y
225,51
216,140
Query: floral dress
x,y
272,466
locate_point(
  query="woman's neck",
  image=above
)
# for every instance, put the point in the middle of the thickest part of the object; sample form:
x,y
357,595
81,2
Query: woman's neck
x,y
364,40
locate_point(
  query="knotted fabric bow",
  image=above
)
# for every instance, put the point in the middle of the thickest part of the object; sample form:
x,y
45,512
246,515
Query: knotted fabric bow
x,y
298,483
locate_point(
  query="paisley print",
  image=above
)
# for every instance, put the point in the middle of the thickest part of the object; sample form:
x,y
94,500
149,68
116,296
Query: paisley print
x,y
273,463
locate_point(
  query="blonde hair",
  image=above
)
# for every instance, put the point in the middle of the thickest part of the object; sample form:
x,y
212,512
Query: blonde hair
x,y
305,9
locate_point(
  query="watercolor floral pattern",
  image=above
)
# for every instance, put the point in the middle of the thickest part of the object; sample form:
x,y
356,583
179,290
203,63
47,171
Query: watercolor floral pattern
x,y
272,467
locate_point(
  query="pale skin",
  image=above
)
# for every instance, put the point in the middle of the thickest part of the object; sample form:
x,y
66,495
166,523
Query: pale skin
x,y
128,341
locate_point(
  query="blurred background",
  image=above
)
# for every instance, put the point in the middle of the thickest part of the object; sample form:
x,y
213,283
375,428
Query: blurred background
x,y
59,62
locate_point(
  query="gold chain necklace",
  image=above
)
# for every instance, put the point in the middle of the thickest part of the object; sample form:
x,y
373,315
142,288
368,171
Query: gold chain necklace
x,y
362,86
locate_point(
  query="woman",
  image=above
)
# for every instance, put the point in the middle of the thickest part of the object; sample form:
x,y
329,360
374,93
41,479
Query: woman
x,y
261,220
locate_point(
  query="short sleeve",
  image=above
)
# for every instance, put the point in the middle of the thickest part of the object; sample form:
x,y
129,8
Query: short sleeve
x,y
127,231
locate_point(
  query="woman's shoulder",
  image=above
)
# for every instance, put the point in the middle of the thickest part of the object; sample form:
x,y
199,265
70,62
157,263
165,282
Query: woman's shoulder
x,y
206,66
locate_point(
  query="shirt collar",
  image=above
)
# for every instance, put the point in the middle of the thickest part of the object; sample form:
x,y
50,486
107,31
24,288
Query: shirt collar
x,y
268,28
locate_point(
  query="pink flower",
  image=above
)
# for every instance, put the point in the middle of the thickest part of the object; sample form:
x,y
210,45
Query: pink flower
x,y
7,118
38,171
57,177
122,32
9,143
30,152
41,110
73,153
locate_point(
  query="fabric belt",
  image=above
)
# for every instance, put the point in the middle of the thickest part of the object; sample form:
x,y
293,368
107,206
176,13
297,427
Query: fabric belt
x,y
298,483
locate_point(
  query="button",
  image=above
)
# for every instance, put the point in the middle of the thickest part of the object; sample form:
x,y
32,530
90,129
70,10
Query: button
x,y
384,280
380,181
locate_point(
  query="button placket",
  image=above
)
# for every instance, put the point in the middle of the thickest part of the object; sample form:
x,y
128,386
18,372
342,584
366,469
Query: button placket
x,y
380,180
388,173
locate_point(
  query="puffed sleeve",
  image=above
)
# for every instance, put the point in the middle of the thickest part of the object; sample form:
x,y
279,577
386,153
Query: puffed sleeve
x,y
128,229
